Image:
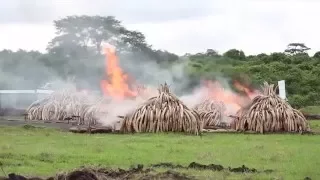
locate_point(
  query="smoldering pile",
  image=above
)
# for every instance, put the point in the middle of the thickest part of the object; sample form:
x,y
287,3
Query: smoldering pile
x,y
270,113
211,112
60,105
162,113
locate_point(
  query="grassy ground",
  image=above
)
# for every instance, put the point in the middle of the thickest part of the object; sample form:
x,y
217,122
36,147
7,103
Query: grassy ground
x,y
38,151
311,109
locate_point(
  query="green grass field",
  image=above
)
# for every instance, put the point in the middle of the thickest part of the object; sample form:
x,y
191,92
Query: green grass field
x,y
311,109
39,151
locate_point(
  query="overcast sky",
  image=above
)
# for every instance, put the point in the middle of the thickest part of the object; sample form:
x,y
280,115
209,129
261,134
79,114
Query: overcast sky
x,y
179,26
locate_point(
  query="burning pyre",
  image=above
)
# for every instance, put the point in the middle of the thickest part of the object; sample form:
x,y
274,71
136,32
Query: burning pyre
x,y
165,112
64,104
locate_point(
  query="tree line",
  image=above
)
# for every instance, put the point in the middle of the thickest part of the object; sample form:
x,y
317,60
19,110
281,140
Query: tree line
x,y
75,52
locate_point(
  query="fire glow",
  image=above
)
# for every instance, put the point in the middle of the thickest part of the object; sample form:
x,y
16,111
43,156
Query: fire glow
x,y
232,100
117,87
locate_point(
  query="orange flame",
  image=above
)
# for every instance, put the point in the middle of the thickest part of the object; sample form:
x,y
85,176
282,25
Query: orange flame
x,y
217,92
116,86
231,100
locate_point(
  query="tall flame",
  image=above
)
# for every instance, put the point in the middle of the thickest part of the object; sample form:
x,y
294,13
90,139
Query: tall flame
x,y
115,85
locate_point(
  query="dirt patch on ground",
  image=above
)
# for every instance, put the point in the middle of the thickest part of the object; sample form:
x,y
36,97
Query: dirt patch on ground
x,y
137,173
108,174
212,167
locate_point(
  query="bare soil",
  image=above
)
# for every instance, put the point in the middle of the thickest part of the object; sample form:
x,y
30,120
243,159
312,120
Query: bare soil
x,y
137,173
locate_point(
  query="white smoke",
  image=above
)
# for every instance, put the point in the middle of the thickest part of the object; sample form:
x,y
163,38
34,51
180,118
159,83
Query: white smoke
x,y
194,98
115,109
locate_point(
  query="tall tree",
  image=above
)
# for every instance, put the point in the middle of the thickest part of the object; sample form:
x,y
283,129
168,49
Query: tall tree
x,y
86,33
317,55
235,54
78,40
295,48
212,52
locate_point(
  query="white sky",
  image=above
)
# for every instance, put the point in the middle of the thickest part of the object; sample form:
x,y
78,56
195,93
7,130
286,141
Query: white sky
x,y
178,26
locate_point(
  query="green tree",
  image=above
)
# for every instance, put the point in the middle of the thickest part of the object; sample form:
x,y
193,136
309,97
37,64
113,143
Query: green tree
x,y
235,54
317,55
84,31
296,48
